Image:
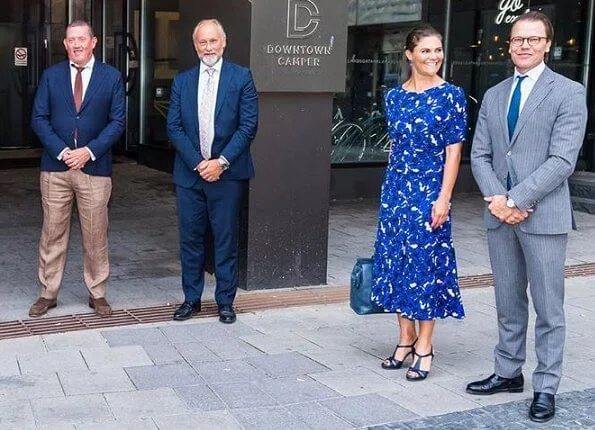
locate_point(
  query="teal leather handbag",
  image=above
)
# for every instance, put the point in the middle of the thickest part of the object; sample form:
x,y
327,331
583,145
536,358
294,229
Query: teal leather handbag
x,y
360,297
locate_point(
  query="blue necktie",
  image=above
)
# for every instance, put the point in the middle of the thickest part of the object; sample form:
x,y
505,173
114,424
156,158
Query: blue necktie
x,y
513,117
515,107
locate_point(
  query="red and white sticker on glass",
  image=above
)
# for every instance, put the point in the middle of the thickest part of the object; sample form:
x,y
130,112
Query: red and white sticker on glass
x,y
20,56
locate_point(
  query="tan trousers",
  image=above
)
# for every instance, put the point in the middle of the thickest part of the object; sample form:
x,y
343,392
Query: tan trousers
x,y
58,189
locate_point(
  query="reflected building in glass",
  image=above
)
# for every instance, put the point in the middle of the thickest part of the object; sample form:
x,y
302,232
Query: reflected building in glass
x,y
148,41
476,58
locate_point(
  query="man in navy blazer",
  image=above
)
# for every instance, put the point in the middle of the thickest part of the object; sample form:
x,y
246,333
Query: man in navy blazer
x,y
78,115
212,119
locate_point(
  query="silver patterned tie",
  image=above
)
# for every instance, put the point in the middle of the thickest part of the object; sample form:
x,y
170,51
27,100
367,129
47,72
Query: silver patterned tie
x,y
205,113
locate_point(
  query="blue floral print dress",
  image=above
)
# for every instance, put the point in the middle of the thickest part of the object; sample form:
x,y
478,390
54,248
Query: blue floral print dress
x,y
415,271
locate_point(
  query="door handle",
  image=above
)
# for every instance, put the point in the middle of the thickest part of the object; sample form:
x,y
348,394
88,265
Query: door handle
x,y
131,49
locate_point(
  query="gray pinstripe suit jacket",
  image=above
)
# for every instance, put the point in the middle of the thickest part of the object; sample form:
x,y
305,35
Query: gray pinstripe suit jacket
x,y
541,154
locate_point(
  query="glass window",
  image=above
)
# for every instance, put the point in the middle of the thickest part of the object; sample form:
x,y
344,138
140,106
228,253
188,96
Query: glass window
x,y
114,33
366,12
160,59
81,9
58,20
478,44
375,61
20,27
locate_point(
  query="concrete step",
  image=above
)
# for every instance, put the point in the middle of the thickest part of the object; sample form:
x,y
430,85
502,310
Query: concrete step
x,y
582,185
583,204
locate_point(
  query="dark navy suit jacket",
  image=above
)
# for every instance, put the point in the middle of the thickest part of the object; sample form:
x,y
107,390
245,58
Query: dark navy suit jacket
x,y
100,122
236,121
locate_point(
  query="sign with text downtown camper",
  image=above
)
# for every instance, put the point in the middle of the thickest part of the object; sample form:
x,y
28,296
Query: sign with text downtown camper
x,y
299,45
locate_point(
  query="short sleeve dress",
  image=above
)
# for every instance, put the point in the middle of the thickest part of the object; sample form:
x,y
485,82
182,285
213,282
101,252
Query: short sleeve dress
x,y
415,271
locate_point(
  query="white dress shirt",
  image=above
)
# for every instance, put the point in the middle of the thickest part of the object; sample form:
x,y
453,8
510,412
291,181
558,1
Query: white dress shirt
x,y
202,82
86,77
526,85
85,74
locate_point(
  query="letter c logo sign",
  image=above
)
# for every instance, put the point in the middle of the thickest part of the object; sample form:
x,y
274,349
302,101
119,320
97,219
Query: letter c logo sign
x,y
302,18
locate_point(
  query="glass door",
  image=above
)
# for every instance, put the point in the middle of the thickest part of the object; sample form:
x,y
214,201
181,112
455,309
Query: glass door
x,y
120,48
141,40
159,58
23,51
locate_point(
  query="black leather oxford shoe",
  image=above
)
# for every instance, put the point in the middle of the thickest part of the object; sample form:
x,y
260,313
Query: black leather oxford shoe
x,y
226,314
186,310
497,384
543,407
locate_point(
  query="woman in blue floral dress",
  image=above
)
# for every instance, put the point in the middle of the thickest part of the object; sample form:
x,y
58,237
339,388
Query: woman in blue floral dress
x,y
415,273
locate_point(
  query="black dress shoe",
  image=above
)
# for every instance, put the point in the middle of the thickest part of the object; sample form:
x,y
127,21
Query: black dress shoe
x,y
186,310
543,407
497,384
226,314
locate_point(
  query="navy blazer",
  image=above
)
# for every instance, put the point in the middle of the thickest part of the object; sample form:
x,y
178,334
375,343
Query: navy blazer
x,y
236,121
100,121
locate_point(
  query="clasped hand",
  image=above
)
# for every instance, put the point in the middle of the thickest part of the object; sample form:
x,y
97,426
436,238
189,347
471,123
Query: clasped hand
x,y
76,159
210,170
497,207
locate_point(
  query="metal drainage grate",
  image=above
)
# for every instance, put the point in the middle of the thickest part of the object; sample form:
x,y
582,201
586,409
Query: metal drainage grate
x,y
487,280
245,303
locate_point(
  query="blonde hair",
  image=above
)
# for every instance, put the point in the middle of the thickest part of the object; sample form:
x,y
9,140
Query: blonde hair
x,y
209,21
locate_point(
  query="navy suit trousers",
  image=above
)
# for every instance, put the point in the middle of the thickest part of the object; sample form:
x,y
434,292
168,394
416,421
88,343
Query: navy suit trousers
x,y
217,203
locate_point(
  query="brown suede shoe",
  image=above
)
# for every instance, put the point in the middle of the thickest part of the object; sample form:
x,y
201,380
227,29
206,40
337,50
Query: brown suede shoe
x,y
41,306
101,306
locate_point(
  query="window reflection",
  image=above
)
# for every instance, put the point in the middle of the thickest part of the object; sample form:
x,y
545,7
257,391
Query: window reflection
x,y
375,62
478,59
479,47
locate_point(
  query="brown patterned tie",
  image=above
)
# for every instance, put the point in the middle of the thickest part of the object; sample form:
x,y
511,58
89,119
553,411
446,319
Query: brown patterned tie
x,y
78,95
78,88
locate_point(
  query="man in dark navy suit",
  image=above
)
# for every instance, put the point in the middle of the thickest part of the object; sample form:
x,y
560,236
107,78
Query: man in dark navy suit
x,y
78,115
213,117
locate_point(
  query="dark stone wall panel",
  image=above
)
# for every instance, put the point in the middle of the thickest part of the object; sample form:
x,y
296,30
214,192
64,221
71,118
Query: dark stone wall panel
x,y
289,197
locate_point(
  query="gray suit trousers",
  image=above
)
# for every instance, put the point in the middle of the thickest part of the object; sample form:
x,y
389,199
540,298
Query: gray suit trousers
x,y
518,259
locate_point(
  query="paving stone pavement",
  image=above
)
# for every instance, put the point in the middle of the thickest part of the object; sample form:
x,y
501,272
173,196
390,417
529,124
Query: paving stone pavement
x,y
145,268
312,367
575,410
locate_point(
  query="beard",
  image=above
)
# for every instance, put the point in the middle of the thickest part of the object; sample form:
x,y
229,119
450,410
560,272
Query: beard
x,y
210,60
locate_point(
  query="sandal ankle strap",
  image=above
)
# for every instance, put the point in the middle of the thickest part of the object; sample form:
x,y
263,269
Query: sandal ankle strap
x,y
429,354
407,346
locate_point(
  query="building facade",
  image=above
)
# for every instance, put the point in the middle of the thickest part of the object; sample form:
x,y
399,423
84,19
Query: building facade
x,y
142,38
476,58
340,132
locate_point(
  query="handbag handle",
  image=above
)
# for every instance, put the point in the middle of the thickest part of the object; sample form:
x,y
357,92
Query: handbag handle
x,y
356,277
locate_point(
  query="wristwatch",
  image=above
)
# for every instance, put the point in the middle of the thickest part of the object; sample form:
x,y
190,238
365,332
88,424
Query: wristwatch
x,y
510,203
223,163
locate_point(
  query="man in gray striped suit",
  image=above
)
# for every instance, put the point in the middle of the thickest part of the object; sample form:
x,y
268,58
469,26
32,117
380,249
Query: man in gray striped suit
x,y
527,139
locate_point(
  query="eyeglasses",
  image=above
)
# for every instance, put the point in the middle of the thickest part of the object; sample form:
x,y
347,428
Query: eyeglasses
x,y
532,41
204,43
